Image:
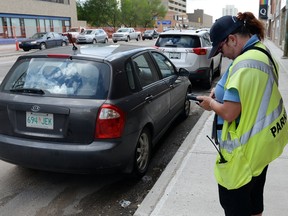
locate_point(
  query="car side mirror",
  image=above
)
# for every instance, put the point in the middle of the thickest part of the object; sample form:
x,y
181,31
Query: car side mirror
x,y
183,72
48,38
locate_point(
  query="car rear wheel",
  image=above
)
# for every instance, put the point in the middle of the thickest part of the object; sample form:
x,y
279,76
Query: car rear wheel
x,y
186,108
43,46
208,81
142,153
218,70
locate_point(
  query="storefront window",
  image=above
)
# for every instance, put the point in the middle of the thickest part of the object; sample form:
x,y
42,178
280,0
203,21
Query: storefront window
x,y
57,25
30,27
16,27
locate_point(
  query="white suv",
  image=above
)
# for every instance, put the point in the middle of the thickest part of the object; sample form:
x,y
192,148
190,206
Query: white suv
x,y
190,49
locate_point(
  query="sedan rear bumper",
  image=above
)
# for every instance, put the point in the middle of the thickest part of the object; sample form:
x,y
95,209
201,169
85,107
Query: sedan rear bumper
x,y
67,157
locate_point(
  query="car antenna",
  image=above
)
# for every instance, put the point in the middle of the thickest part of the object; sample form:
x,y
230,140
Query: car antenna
x,y
71,41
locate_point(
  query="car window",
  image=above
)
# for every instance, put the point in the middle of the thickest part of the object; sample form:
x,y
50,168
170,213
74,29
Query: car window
x,y
61,77
186,41
50,35
144,70
131,79
164,64
206,40
57,35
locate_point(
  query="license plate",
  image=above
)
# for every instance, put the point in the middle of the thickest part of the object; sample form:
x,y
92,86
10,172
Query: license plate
x,y
40,120
174,55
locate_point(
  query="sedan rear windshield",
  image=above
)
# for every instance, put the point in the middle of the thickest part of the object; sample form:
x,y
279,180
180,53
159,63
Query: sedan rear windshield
x,y
60,77
186,41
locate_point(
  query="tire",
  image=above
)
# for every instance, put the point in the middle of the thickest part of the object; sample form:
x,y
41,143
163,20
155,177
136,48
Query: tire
x,y
43,46
208,81
94,41
26,50
142,154
106,40
63,43
115,41
218,71
128,39
186,107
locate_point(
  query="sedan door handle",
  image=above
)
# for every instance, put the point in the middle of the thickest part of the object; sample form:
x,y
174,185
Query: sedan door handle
x,y
149,98
172,86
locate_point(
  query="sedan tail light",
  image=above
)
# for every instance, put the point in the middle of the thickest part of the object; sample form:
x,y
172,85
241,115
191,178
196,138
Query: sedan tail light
x,y
200,51
110,122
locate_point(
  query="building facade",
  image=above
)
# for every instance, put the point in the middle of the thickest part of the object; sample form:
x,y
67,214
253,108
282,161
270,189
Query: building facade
x,y
276,22
23,18
229,10
200,20
176,14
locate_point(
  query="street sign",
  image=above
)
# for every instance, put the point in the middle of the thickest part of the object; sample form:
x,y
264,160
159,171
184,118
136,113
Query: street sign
x,y
164,22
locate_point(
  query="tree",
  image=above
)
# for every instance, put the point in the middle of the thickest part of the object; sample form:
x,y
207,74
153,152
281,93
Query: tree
x,y
129,12
98,12
141,12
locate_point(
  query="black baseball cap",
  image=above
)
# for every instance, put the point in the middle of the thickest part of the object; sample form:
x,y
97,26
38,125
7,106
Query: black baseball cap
x,y
220,31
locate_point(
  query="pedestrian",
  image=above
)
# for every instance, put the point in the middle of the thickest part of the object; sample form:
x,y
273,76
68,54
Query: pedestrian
x,y
250,125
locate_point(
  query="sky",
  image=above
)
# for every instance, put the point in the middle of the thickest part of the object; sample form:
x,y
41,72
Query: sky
x,y
214,7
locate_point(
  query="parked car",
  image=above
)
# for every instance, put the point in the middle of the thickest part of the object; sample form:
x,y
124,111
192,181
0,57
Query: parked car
x,y
43,40
150,34
92,36
190,49
126,34
99,107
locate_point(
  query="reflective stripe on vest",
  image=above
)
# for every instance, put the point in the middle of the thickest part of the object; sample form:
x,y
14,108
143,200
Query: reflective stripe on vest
x,y
262,120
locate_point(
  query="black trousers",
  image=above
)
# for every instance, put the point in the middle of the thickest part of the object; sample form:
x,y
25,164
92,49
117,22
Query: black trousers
x,y
244,201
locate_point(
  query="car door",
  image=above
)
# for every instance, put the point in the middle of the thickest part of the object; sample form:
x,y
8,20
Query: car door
x,y
58,39
100,35
51,42
174,82
154,93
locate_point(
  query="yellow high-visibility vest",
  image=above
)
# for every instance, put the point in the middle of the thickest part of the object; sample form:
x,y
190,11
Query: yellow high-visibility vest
x,y
262,131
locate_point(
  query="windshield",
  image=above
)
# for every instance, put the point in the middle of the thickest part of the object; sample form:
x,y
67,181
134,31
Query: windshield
x,y
123,30
61,77
38,35
87,32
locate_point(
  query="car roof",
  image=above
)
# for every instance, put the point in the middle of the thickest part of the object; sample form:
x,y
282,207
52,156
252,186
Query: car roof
x,y
99,51
184,32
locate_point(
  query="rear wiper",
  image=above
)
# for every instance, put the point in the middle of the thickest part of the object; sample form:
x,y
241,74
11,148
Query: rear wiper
x,y
170,45
28,90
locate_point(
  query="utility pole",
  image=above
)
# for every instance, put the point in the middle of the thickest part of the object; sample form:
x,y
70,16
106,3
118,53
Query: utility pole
x,y
285,53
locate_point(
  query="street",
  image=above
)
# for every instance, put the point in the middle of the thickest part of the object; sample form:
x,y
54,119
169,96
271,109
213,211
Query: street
x,y
39,193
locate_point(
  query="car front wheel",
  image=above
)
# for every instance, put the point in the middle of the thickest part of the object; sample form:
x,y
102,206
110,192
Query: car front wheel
x,y
63,43
142,153
42,46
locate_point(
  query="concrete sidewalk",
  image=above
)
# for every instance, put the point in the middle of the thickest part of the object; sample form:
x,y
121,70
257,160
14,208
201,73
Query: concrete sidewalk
x,y
187,186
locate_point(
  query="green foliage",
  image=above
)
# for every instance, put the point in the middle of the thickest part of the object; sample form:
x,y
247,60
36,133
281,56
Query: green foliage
x,y
136,13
